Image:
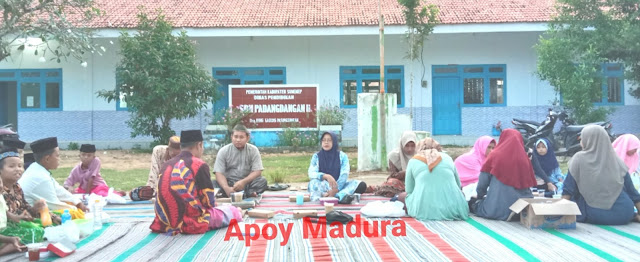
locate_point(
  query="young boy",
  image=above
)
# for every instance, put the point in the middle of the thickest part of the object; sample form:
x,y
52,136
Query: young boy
x,y
8,244
87,174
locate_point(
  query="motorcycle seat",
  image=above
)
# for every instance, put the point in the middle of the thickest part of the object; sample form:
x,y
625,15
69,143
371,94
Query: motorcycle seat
x,y
527,121
578,128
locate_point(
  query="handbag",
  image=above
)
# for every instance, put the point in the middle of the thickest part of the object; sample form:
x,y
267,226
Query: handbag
x,y
141,193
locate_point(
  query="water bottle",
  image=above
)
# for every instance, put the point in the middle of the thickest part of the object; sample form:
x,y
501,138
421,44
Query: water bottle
x,y
66,216
97,215
300,198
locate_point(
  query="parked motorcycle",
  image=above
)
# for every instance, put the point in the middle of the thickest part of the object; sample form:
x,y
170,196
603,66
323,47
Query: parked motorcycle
x,y
6,131
567,140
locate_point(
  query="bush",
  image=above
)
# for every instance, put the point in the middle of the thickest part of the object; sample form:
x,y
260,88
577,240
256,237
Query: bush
x,y
331,114
292,136
73,146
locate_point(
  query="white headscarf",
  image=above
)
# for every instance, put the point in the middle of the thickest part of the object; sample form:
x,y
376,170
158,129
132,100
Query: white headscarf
x,y
397,156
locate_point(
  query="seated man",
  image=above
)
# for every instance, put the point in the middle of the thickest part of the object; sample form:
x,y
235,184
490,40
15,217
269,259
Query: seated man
x,y
161,154
185,200
37,182
238,166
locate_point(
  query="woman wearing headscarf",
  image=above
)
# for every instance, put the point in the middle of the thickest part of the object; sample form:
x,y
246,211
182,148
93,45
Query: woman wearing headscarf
x,y
599,182
626,147
398,160
546,157
469,164
432,184
329,173
506,176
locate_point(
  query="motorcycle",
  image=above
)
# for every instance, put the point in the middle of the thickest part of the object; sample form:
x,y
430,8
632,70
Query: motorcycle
x,y
567,140
6,131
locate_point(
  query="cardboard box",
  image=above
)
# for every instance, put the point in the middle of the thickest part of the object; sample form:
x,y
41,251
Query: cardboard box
x,y
304,213
546,213
307,198
223,200
261,213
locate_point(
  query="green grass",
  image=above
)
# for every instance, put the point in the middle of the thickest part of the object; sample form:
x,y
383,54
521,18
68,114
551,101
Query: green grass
x,y
290,168
120,180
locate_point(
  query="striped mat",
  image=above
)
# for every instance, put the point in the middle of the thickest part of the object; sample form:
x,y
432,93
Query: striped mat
x,y
128,238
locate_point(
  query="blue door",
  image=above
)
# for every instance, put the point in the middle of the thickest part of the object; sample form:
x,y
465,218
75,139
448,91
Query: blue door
x,y
447,96
222,104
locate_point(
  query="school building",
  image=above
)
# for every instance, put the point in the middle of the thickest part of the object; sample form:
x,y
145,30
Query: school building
x,y
478,68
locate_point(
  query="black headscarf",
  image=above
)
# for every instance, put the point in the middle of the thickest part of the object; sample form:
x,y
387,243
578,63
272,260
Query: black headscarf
x,y
329,161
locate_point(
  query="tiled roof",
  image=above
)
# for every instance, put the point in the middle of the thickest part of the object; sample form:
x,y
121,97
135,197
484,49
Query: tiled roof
x,y
315,13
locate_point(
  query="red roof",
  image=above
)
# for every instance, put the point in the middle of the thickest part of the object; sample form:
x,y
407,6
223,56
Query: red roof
x,y
315,13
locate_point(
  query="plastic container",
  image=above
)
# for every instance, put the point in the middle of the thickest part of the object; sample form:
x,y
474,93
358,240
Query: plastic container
x,y
85,226
65,216
300,198
328,200
45,216
34,251
97,215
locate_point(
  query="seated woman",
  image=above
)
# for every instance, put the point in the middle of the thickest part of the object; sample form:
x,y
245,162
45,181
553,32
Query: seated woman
x,y
626,147
398,160
433,186
546,157
329,173
468,165
599,182
506,176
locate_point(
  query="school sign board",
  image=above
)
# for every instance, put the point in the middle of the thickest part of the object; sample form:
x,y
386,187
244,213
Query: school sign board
x,y
277,106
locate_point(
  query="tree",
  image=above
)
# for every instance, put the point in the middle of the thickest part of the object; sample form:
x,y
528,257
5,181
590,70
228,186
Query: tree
x,y
159,78
420,20
60,26
581,37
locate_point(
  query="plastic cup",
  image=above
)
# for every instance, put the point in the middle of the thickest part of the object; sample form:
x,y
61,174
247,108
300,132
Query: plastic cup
x,y
356,199
236,197
300,198
328,207
34,251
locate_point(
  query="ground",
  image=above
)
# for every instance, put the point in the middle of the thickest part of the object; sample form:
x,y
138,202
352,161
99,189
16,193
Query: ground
x,y
126,169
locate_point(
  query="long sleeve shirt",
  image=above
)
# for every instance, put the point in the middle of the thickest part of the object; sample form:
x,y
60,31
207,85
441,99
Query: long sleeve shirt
x,y
158,157
37,183
314,169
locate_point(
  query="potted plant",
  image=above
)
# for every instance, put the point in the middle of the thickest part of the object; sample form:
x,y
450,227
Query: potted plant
x,y
496,129
331,118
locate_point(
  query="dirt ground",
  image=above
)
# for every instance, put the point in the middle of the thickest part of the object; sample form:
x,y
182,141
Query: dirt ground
x,y
123,160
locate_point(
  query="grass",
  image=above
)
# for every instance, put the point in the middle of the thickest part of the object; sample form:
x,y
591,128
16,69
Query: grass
x,y
120,180
276,169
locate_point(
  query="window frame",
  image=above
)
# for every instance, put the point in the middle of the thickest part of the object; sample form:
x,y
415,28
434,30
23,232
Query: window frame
x,y
486,76
42,80
359,77
606,73
266,77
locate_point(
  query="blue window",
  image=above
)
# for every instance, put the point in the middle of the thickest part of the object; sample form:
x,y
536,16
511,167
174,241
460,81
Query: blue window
x,y
612,85
482,85
245,76
37,89
366,79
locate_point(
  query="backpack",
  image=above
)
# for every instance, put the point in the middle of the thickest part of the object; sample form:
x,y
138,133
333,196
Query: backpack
x,y
142,193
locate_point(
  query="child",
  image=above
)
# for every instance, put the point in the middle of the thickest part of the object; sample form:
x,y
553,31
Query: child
x,y
87,174
549,163
8,244
626,147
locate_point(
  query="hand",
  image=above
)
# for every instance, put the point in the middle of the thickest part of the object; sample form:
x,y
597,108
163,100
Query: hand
x,y
637,218
26,216
56,220
16,243
70,189
228,190
551,187
331,180
82,207
239,186
39,205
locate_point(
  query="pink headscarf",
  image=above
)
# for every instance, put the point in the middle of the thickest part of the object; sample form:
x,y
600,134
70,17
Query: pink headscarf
x,y
622,145
470,163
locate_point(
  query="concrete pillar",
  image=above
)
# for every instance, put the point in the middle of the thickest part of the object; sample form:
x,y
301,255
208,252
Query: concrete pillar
x,y
372,147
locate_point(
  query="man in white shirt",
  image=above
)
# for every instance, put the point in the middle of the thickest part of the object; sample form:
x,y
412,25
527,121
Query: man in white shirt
x,y
37,182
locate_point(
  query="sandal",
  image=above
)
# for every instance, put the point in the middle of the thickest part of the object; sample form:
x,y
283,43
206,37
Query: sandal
x,y
277,187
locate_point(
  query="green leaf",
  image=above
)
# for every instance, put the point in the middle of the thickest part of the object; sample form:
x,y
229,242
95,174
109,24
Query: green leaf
x,y
21,47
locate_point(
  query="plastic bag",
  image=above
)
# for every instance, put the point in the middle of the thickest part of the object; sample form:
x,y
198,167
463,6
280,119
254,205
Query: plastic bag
x,y
114,198
25,230
67,231
383,209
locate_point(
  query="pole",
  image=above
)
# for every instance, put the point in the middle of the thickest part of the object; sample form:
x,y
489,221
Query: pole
x,y
383,100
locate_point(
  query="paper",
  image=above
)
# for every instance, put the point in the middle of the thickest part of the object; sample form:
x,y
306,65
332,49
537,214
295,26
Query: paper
x,y
29,101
